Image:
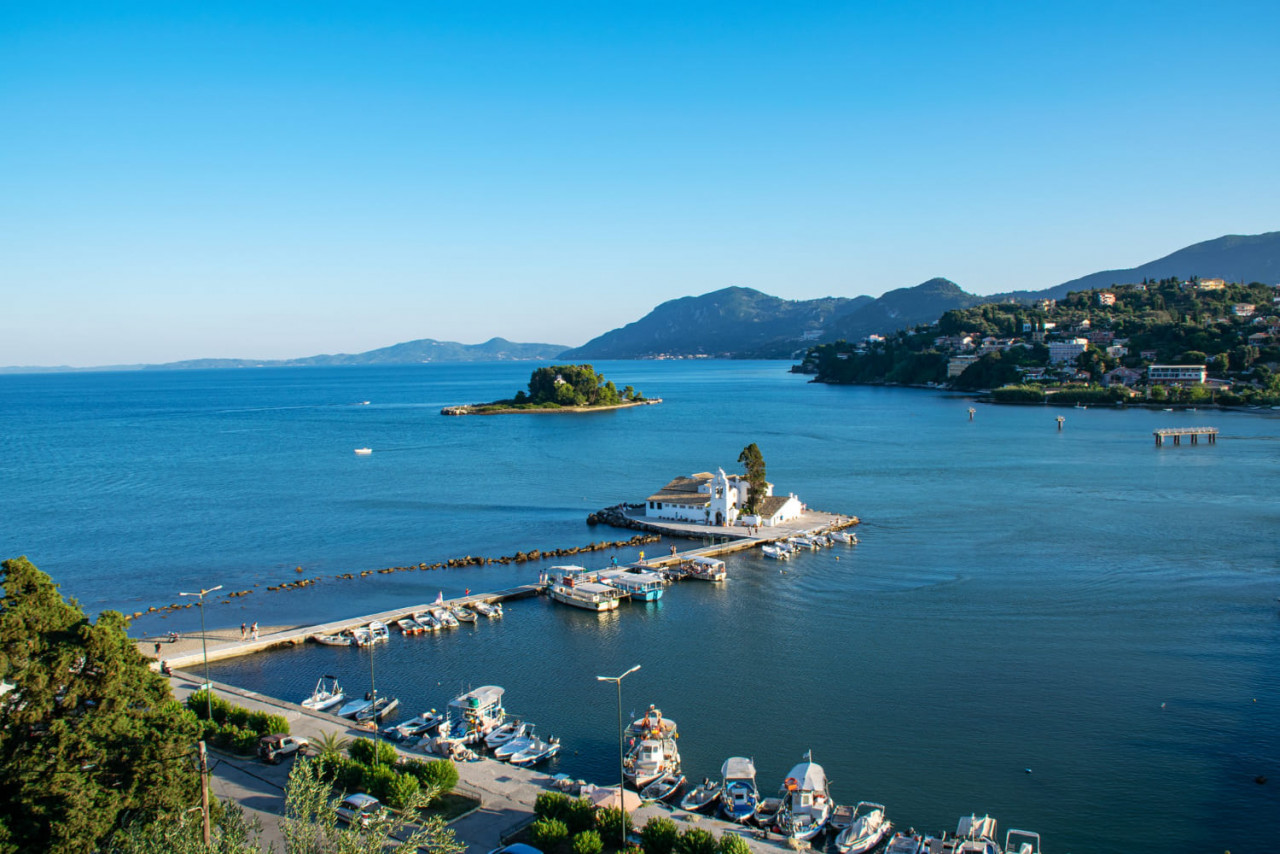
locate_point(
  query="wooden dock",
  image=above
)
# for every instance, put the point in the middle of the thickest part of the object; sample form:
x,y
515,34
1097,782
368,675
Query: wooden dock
x,y
1176,433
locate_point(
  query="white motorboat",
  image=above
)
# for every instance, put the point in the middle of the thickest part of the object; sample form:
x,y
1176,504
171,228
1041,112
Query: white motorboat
x,y
1021,842
708,569
379,632
739,796
445,618
573,585
354,707
703,796
504,752
506,732
414,727
333,640
464,614
409,626
974,836
806,803
537,751
428,622
653,751
665,787
866,829
844,537
775,552
377,710
905,843
364,452
360,636
325,696
484,609
803,543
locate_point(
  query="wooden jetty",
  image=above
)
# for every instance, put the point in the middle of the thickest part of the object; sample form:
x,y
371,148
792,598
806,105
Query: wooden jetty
x,y
1176,433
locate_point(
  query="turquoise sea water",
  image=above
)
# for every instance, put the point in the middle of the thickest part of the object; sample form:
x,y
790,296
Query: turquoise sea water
x,y
1079,603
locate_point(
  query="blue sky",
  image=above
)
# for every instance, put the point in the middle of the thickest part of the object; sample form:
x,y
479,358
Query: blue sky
x,y
268,180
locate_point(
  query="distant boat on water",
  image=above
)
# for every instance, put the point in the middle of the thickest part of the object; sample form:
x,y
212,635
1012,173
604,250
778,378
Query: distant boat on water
x,y
364,452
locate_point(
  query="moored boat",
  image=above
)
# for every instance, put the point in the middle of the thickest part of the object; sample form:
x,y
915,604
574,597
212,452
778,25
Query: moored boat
x,y
766,814
360,636
653,750
428,622
325,696
509,730
333,640
379,632
445,618
866,829
640,585
844,537
408,626
463,613
905,843
354,707
537,751
414,727
573,585
1021,842
973,836
739,797
665,787
377,710
702,797
474,715
806,803
504,752
775,552
484,609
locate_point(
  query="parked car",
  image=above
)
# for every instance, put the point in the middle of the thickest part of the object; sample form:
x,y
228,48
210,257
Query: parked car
x,y
358,808
273,748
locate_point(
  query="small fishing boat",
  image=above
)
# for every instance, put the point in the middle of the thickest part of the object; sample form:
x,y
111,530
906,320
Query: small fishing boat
x,y
445,618
766,814
325,696
354,707
364,452
844,537
739,797
537,751
414,727
333,640
379,632
653,752
495,611
866,829
464,614
806,803
803,543
474,715
1021,842
484,609
428,622
408,626
504,752
666,786
702,797
905,843
360,636
506,732
973,836
775,552
378,710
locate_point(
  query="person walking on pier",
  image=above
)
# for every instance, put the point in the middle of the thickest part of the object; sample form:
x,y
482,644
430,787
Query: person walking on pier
x,y
253,630
243,631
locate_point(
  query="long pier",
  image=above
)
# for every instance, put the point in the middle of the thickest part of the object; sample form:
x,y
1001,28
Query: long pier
x,y
1176,433
736,539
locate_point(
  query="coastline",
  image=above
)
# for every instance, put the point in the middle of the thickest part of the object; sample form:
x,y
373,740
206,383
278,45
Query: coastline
x,y
481,408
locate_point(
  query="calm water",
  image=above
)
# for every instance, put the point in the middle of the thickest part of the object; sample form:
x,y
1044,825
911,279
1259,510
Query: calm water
x,y
1080,604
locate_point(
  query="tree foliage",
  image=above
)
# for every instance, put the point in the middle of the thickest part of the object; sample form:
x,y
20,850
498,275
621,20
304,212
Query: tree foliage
x,y
659,835
757,483
92,739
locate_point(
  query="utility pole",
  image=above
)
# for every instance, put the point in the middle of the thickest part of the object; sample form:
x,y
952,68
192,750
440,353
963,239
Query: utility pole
x,y
204,792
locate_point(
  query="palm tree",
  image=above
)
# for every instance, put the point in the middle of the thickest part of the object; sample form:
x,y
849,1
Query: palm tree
x,y
332,744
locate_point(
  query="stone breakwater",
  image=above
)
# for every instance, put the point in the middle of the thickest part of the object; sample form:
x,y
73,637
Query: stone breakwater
x,y
451,563
618,518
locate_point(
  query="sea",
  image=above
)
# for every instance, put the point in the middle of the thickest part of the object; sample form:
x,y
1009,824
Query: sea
x,y
1072,630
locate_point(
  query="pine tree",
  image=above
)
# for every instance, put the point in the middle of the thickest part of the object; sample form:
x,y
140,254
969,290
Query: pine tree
x,y
757,485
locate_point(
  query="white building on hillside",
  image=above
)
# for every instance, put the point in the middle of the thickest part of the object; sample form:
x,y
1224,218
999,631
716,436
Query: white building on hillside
x,y
717,499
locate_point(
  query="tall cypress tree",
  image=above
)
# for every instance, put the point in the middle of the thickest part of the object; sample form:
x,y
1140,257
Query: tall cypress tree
x,y
757,484
91,737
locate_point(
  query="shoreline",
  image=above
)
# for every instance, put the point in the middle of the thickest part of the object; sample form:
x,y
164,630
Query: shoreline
x,y
479,408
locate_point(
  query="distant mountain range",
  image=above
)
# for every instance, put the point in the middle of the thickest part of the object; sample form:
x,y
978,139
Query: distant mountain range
x,y
408,353
744,323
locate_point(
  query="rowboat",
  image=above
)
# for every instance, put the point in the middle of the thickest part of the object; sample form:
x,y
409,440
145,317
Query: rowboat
x,y
333,640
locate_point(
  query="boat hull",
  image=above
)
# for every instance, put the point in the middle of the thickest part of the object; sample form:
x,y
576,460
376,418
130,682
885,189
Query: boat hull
x,y
585,604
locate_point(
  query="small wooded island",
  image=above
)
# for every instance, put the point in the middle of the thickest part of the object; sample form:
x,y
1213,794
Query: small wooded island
x,y
560,388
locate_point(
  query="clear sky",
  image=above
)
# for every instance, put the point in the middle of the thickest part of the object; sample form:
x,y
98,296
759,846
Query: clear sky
x,y
267,180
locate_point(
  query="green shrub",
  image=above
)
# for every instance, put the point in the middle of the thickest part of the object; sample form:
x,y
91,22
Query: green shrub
x,y
400,790
551,805
1018,394
246,741
587,842
659,836
695,840
199,703
732,843
327,766
264,723
362,750
548,834
613,823
438,774
580,816
349,775
238,716
378,780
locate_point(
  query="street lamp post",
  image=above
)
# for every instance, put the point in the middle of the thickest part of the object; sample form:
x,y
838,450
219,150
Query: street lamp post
x,y
622,774
204,646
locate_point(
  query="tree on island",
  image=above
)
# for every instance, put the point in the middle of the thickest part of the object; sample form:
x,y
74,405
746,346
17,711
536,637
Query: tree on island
x,y
91,736
757,486
573,385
